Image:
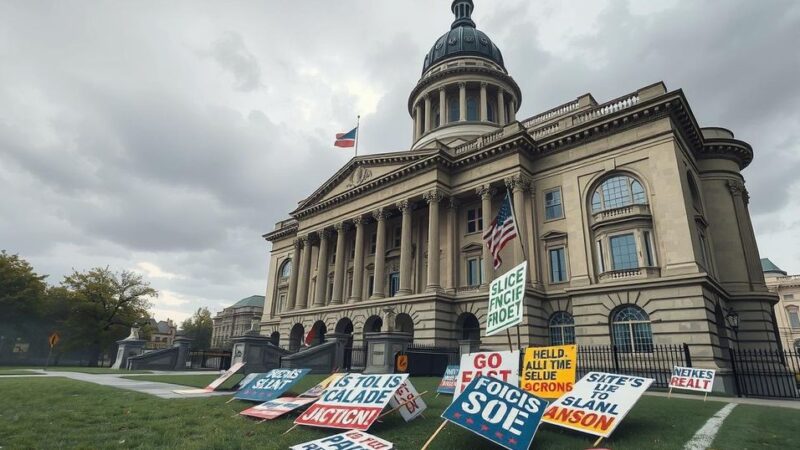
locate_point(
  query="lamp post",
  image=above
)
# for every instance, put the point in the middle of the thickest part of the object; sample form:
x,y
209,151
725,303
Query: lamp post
x,y
733,321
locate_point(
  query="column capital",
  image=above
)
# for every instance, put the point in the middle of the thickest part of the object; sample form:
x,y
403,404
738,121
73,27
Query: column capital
x,y
358,220
304,239
462,84
434,195
485,191
298,243
484,84
517,183
341,226
379,215
453,203
442,89
404,206
324,234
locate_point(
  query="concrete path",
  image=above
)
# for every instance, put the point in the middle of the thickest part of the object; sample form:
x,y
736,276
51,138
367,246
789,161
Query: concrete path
x,y
161,390
791,404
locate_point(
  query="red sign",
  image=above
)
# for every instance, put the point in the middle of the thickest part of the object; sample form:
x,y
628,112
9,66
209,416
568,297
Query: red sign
x,y
276,408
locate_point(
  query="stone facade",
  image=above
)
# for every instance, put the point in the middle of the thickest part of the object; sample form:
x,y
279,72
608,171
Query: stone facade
x,y
634,221
787,311
162,334
235,321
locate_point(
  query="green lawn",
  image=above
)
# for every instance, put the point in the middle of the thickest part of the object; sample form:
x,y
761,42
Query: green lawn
x,y
200,380
4,371
60,413
100,370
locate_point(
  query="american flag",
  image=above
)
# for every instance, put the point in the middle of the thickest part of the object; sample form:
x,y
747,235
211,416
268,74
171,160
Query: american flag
x,y
501,231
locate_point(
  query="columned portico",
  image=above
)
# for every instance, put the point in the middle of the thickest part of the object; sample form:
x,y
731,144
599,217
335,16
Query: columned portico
x,y
358,261
322,268
338,274
379,281
433,198
405,248
462,101
518,185
428,121
484,104
304,274
293,277
486,192
501,107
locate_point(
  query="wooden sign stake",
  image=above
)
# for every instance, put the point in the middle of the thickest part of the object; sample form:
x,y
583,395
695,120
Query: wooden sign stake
x,y
510,347
705,396
430,439
232,399
597,442
669,394
290,429
402,404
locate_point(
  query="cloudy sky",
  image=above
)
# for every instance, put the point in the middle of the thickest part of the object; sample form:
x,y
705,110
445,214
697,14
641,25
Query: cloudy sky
x,y
167,137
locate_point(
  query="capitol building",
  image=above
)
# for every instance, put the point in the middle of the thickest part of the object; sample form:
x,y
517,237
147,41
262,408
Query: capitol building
x,y
633,219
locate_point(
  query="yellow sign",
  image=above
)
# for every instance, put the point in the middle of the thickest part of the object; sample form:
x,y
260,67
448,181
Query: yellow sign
x,y
402,363
53,339
549,372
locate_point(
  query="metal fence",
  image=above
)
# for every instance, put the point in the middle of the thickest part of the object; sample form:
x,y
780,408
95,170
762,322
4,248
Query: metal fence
x,y
657,364
766,373
217,360
355,358
453,355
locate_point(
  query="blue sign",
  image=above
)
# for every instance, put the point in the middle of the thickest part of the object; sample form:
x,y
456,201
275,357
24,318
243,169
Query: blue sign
x,y
498,411
448,383
269,386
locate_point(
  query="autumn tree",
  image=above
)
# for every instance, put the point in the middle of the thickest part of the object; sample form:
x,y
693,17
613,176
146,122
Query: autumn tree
x,y
199,327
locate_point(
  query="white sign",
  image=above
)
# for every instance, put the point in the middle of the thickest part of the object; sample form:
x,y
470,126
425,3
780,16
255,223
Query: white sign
x,y
501,365
506,296
597,403
349,440
404,394
692,379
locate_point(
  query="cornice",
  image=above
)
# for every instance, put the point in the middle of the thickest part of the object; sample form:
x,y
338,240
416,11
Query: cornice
x,y
273,236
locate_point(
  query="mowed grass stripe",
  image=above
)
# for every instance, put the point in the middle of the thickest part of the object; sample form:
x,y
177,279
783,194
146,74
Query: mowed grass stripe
x,y
61,413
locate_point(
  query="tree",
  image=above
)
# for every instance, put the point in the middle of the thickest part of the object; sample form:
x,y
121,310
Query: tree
x,y
22,293
103,306
199,327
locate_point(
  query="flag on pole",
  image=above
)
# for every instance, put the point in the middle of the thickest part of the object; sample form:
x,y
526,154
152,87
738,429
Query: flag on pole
x,y
346,140
312,333
501,231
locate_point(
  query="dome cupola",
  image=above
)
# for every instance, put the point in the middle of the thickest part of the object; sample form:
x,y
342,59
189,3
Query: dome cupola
x,y
465,90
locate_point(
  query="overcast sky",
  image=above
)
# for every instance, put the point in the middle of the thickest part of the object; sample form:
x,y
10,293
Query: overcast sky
x,y
167,137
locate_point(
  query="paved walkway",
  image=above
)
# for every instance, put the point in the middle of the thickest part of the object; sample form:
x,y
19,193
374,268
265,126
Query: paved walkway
x,y
161,390
791,404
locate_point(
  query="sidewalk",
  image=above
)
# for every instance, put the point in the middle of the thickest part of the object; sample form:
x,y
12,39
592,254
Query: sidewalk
x,y
790,404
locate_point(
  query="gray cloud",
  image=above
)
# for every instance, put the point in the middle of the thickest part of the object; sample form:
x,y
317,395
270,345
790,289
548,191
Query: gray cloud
x,y
231,54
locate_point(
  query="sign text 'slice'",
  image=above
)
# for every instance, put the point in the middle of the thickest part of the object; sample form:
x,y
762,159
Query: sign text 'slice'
x,y
506,296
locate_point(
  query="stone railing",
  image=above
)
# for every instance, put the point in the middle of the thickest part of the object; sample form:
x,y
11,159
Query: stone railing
x,y
628,274
624,211
466,289
789,278
551,114
479,142
607,108
541,132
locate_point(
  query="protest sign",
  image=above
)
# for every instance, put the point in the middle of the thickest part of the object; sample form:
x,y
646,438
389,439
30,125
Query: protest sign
x,y
246,380
448,383
501,365
506,295
353,402
317,390
692,379
276,408
214,385
549,372
349,440
407,396
597,403
498,411
270,385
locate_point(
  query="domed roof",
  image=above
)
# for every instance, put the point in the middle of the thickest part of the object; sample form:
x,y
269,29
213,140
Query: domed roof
x,y
463,39
253,300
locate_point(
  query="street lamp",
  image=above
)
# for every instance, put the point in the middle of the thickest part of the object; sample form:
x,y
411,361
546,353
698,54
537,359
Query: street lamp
x,y
733,321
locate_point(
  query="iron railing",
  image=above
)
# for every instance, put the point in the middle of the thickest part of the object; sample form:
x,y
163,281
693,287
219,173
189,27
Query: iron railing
x,y
766,373
210,359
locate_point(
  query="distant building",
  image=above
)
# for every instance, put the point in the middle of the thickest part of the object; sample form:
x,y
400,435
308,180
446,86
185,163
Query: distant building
x,y
163,334
787,311
235,320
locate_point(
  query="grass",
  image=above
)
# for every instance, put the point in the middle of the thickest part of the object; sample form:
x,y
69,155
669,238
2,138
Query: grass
x,y
61,413
18,372
190,380
97,370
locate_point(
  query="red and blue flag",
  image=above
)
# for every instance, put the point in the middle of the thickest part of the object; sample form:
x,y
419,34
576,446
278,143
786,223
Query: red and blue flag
x,y
346,140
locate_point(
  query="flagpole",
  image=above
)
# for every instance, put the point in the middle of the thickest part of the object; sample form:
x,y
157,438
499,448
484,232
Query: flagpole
x,y
520,236
358,131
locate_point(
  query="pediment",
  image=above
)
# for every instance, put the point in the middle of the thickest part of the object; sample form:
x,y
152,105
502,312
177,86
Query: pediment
x,y
360,171
553,235
472,246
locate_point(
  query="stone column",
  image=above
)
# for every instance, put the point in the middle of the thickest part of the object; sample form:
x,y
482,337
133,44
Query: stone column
x,y
452,244
501,107
433,198
379,283
405,248
322,268
484,103
358,261
462,101
486,192
442,106
533,246
512,111
428,121
417,122
517,185
304,275
293,275
339,269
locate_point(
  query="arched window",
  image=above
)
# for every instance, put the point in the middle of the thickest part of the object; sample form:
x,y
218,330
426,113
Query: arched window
x,y
454,112
616,192
562,328
472,108
286,269
630,330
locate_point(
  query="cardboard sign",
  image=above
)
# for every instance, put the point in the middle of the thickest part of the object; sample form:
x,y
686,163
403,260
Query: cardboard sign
x,y
403,394
270,385
498,411
597,403
506,295
276,408
317,390
350,440
448,383
501,365
214,385
692,379
246,380
549,372
353,402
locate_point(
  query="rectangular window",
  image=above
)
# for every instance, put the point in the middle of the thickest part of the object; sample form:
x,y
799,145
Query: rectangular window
x,y
474,271
623,252
371,285
397,237
281,302
794,318
558,266
788,296
648,250
474,220
373,243
552,204
394,283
